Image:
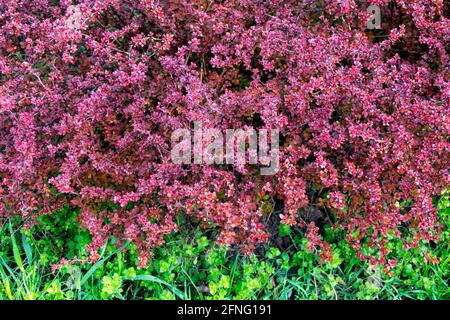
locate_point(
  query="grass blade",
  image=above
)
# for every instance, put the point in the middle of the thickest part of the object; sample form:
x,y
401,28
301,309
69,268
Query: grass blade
x,y
16,251
99,263
27,248
6,283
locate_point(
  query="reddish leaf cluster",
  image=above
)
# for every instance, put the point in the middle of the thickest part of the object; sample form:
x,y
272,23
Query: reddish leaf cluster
x,y
91,90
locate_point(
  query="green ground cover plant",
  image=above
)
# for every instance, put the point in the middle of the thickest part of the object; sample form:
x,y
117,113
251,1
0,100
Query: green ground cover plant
x,y
191,266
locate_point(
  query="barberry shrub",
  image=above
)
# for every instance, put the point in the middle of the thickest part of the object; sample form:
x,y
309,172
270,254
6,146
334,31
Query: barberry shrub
x,y
92,90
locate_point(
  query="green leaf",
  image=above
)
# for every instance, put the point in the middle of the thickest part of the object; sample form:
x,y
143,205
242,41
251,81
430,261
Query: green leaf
x,y
16,251
284,230
27,248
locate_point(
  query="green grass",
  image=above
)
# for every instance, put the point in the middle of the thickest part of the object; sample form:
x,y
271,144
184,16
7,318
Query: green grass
x,y
191,266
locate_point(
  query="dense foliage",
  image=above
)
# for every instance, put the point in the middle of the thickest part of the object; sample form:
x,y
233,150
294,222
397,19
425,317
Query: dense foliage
x,y
190,265
92,90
